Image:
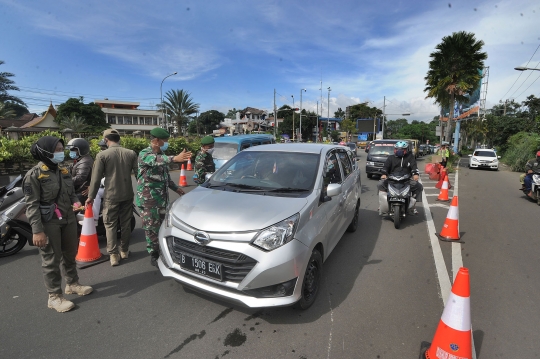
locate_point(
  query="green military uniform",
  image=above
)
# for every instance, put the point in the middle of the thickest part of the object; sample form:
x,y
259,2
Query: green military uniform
x,y
115,164
44,185
153,182
204,162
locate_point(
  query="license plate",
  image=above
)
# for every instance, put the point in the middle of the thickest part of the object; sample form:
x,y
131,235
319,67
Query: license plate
x,y
201,266
397,199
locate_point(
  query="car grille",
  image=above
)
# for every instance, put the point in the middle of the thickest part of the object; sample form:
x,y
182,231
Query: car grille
x,y
379,164
235,265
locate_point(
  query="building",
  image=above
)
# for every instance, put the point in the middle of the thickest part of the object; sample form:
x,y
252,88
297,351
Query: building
x,y
248,120
45,122
125,116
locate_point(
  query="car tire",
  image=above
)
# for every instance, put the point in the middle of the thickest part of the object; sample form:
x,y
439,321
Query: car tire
x,y
354,223
369,175
312,281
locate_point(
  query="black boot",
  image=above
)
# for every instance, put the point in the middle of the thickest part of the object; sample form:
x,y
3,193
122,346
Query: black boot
x,y
154,255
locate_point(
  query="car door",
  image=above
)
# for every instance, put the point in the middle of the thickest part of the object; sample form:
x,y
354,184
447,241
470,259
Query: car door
x,y
348,193
335,207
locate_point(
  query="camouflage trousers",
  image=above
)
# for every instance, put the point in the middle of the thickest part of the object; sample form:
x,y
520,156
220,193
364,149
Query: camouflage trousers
x,y
151,218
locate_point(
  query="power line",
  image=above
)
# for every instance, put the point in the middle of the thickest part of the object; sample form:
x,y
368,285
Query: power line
x,y
520,75
528,87
65,93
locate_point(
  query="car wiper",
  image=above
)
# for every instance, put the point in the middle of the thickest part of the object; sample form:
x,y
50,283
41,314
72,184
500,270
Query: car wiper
x,y
244,186
288,189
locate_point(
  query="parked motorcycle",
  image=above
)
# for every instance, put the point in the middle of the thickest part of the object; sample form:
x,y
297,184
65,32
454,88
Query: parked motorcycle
x,y
15,231
398,200
535,188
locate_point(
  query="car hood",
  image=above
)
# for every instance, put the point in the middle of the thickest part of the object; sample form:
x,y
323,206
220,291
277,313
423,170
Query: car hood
x,y
223,211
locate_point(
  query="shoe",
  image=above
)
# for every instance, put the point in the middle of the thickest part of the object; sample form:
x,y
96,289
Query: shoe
x,y
115,259
76,288
124,255
153,258
59,303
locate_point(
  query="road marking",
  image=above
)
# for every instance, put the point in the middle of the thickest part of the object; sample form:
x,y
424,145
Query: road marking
x,y
440,265
440,205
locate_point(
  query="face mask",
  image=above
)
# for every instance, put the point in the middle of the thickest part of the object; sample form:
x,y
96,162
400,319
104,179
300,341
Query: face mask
x,y
58,157
399,153
73,154
210,151
164,147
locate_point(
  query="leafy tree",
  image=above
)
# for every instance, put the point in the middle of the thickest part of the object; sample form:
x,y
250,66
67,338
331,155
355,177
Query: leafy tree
x,y
6,84
5,112
454,71
75,123
334,135
210,120
179,106
232,113
363,111
348,126
16,107
91,114
339,113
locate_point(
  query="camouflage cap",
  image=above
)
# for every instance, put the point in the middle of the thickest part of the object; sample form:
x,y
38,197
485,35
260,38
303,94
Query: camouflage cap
x,y
207,140
160,133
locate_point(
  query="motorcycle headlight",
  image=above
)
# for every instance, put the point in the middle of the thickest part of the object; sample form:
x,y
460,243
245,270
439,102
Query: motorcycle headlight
x,y
393,192
405,192
277,235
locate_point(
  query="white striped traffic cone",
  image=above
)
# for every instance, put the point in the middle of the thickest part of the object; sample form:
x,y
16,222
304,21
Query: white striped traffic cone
x,y
450,230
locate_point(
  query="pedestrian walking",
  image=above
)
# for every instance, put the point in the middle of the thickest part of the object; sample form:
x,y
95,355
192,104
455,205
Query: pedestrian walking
x,y
116,164
50,202
153,183
204,162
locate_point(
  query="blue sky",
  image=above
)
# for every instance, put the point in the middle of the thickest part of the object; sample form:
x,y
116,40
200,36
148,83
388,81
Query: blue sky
x,y
235,53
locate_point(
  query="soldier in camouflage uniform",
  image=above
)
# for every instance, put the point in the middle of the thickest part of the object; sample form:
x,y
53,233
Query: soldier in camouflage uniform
x,y
204,162
153,182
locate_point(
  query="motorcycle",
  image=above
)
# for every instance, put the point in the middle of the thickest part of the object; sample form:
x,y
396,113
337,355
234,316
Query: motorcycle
x,y
15,231
535,188
398,200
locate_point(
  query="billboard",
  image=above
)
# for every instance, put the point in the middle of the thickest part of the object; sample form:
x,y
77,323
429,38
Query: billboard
x,y
365,125
469,107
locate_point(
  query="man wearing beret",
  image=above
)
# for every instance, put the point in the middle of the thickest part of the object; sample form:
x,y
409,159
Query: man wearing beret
x,y
116,164
204,162
153,183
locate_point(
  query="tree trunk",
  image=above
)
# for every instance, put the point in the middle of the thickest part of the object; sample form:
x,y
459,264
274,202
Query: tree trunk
x,y
450,119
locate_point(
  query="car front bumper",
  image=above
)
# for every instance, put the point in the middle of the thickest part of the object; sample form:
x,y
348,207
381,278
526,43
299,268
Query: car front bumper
x,y
272,268
373,170
484,165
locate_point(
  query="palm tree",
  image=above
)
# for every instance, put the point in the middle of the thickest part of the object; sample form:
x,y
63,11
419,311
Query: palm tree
x,y
6,113
455,70
6,84
77,124
179,105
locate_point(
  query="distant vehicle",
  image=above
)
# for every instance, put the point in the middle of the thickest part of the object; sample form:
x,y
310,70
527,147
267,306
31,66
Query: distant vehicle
x,y
423,150
353,147
484,158
226,147
415,144
379,151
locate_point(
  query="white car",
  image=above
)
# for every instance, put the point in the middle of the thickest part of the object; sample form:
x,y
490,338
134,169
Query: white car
x,y
484,158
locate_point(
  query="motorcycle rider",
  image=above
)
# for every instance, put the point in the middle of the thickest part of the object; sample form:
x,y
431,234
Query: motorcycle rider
x,y
404,162
532,167
81,169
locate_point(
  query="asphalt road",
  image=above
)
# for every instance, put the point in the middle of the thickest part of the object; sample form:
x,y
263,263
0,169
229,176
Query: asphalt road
x,y
381,296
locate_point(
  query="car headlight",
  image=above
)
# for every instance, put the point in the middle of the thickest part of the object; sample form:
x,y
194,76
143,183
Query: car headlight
x,y
168,218
494,161
370,163
475,160
277,235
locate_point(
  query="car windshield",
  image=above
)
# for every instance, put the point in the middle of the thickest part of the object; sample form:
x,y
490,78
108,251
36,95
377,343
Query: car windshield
x,y
263,171
224,151
352,146
381,150
484,153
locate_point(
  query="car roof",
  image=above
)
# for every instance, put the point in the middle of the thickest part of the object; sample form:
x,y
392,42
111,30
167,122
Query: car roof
x,y
297,147
240,138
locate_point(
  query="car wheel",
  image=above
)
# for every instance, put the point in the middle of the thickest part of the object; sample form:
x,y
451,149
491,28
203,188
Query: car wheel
x,y
369,175
312,281
354,223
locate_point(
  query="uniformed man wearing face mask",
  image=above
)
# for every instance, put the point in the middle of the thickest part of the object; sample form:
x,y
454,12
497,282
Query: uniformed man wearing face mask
x,y
204,162
153,183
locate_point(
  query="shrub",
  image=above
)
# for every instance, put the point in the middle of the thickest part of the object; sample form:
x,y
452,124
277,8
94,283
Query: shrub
x,y
521,148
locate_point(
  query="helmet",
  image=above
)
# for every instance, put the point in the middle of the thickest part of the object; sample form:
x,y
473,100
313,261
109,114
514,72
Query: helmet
x,y
79,144
401,146
538,154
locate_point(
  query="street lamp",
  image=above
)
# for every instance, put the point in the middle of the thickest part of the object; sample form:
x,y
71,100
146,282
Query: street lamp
x,y
300,131
327,112
292,118
161,95
521,68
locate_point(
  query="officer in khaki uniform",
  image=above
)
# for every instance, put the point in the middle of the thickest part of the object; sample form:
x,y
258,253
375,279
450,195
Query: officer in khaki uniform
x,y
47,184
116,164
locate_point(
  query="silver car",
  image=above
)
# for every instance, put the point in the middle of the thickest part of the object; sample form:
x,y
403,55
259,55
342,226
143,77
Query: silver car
x,y
258,231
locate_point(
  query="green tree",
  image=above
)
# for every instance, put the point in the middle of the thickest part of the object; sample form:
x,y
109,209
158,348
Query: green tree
x,y
339,113
348,126
6,84
363,111
232,113
455,71
93,117
75,123
5,112
210,120
179,105
16,107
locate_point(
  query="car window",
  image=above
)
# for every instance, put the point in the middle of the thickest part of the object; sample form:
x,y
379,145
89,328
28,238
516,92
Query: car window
x,y
244,146
266,142
224,151
255,143
484,153
346,164
381,150
332,170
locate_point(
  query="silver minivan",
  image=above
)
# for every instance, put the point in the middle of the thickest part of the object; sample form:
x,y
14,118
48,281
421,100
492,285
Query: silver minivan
x,y
258,231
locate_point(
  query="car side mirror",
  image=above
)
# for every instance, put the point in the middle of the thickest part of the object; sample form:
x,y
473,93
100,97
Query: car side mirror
x,y
207,176
499,157
470,155
333,189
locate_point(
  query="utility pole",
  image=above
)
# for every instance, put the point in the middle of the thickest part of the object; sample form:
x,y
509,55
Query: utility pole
x,y
383,116
300,129
275,115
321,101
293,118
328,106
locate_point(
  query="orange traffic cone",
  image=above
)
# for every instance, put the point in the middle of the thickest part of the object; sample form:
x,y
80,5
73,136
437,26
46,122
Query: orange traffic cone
x,y
189,166
443,194
450,230
443,174
182,181
89,253
453,337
